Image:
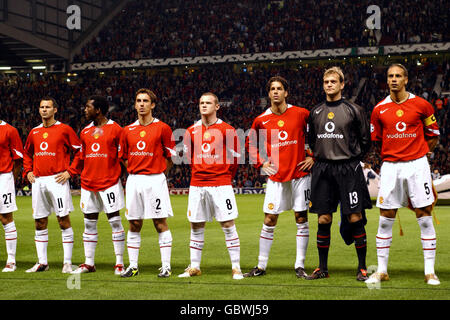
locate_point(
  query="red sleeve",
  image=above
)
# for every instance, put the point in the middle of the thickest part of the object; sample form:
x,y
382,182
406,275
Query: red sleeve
x,y
16,144
78,162
28,155
375,126
187,147
168,142
431,128
123,146
251,145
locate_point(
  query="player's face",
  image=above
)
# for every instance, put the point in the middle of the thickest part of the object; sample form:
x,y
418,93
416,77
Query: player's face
x,y
332,84
208,105
89,110
277,93
143,104
396,79
46,109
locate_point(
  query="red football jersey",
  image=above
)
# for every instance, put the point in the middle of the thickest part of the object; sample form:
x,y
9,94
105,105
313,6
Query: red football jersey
x,y
402,128
98,161
213,153
283,139
47,150
11,147
147,147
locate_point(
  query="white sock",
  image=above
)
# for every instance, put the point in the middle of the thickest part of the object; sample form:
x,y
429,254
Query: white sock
x,y
165,247
383,242
302,244
11,241
233,246
133,245
196,246
265,243
67,240
90,238
41,241
118,238
428,238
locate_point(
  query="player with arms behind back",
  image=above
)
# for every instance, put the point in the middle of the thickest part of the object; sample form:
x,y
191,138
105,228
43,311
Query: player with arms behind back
x,y
46,161
212,148
405,128
282,129
101,188
147,146
11,156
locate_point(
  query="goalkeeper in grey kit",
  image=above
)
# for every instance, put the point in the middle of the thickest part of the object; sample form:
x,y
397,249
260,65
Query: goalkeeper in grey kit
x,y
339,137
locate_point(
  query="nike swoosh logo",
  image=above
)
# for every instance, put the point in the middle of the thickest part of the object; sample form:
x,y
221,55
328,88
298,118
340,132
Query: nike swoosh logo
x,y
384,111
264,122
34,132
194,132
318,111
132,128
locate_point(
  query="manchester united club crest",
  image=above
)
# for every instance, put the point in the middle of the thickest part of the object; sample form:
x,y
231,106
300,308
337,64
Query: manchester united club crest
x,y
142,134
45,135
207,135
98,132
399,113
270,206
281,123
331,115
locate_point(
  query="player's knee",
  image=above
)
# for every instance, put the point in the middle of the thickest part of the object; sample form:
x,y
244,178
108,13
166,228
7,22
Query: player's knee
x,y
135,225
301,217
388,213
354,217
6,218
160,225
41,224
270,220
423,212
325,219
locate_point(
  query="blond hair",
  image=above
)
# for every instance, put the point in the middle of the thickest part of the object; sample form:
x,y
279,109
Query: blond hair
x,y
335,70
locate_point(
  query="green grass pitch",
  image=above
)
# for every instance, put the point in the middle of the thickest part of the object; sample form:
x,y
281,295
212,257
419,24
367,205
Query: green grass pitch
x,y
405,262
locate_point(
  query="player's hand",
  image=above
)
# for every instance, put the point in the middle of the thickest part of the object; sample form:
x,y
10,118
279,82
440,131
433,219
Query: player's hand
x,y
306,164
31,177
268,169
62,177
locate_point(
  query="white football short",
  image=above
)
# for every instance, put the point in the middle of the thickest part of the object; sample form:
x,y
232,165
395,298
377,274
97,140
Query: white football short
x,y
147,197
283,196
49,196
206,203
400,181
7,193
109,200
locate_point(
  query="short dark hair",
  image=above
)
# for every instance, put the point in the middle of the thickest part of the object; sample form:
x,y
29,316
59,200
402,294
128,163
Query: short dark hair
x,y
149,92
100,103
48,98
399,65
280,79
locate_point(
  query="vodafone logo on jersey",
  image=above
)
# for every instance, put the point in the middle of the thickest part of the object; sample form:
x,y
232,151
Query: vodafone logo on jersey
x,y
95,147
282,135
206,147
141,146
400,126
43,146
330,127
401,134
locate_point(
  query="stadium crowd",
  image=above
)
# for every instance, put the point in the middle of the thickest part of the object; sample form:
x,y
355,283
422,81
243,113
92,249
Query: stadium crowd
x,y
174,28
242,95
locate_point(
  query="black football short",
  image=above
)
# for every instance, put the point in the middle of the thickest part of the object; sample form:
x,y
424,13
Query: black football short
x,y
335,182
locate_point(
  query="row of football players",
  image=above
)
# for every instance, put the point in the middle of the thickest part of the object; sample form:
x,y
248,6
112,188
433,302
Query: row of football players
x,y
403,125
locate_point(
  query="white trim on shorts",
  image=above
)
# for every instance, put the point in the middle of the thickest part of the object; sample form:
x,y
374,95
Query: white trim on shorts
x,y
109,200
400,181
7,193
147,197
48,196
289,195
208,203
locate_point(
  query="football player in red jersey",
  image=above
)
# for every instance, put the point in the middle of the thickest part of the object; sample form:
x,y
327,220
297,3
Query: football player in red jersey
x,y
147,146
405,128
101,188
11,156
212,149
46,161
282,127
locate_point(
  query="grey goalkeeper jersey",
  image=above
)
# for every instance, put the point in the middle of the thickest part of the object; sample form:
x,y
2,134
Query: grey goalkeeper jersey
x,y
338,130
